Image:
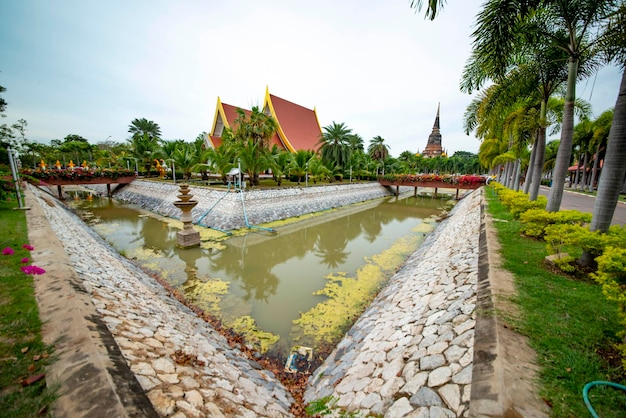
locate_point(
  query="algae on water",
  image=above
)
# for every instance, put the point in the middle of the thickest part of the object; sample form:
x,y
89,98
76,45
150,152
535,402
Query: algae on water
x,y
349,296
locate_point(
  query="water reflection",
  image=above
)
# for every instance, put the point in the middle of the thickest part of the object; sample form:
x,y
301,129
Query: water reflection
x,y
271,278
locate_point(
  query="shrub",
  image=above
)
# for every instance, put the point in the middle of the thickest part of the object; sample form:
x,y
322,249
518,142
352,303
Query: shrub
x,y
611,274
518,202
535,221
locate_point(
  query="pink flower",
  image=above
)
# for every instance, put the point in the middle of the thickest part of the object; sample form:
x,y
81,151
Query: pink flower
x,y
28,247
32,269
25,260
8,251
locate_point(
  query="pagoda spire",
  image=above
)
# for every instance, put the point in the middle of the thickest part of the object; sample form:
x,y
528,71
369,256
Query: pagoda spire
x,y
433,146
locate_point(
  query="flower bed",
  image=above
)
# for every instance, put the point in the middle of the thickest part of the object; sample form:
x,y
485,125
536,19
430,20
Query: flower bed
x,y
77,174
427,180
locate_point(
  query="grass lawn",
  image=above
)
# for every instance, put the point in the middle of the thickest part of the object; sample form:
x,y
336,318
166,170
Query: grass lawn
x,y
569,322
23,355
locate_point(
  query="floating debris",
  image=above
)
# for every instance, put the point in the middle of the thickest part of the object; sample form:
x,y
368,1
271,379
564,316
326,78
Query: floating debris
x,y
299,359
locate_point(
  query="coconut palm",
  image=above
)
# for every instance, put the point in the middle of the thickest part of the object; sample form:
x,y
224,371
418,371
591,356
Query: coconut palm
x,y
602,127
432,9
377,149
334,145
252,136
143,126
221,159
299,164
614,169
279,162
145,150
356,143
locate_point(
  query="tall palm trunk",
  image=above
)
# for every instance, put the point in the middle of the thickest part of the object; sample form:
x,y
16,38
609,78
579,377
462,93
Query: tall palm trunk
x,y
613,171
518,165
594,171
531,167
614,168
564,154
540,155
585,170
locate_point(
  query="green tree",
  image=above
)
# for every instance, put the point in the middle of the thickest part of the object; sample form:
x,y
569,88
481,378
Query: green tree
x,y
252,136
299,164
614,169
221,159
144,127
145,150
334,145
432,9
3,103
377,149
279,162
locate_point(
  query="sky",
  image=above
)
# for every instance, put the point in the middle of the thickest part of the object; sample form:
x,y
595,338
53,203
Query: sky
x,y
91,67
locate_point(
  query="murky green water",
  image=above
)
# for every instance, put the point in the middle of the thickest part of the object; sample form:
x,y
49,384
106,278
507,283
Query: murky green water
x,y
264,282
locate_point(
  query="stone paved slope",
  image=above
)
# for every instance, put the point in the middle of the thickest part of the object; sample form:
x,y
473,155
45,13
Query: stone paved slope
x,y
411,351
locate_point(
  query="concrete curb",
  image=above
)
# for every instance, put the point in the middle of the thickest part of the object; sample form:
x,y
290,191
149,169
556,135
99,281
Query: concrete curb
x,y
502,386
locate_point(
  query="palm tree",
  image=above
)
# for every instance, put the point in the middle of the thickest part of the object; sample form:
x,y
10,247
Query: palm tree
x,y
252,136
614,168
221,159
279,160
356,143
186,158
506,27
334,145
299,163
141,127
434,7
145,150
377,149
602,127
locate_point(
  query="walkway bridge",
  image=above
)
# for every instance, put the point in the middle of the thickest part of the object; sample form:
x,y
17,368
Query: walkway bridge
x,y
121,180
433,181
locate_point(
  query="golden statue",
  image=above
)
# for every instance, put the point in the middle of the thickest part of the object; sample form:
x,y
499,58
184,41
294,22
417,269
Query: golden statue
x,y
71,165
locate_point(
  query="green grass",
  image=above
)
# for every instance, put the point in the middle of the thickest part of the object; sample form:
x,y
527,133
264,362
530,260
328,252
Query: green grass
x,y
22,352
569,323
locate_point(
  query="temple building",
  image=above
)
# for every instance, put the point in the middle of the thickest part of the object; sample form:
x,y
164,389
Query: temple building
x,y
298,127
433,147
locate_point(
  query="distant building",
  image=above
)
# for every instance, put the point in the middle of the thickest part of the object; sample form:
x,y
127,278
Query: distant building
x,y
433,147
298,127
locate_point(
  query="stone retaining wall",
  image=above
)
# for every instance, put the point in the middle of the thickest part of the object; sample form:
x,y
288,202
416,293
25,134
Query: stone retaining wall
x,y
229,210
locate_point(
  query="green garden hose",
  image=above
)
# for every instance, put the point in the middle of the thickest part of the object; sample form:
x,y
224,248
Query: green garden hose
x,y
597,383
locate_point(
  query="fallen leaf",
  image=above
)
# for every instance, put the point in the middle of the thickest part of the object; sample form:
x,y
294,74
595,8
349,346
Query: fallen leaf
x,y
24,350
32,379
36,357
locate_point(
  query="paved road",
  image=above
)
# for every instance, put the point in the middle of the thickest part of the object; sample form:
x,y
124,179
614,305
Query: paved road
x,y
584,203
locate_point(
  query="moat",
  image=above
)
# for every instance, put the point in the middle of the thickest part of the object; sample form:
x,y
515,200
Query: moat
x,y
300,283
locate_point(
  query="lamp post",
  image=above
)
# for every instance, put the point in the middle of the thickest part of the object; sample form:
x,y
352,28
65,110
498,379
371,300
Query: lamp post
x,y
15,177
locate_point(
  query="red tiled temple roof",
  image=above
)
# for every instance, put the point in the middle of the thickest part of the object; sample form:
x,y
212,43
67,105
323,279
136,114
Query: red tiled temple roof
x,y
225,117
298,127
